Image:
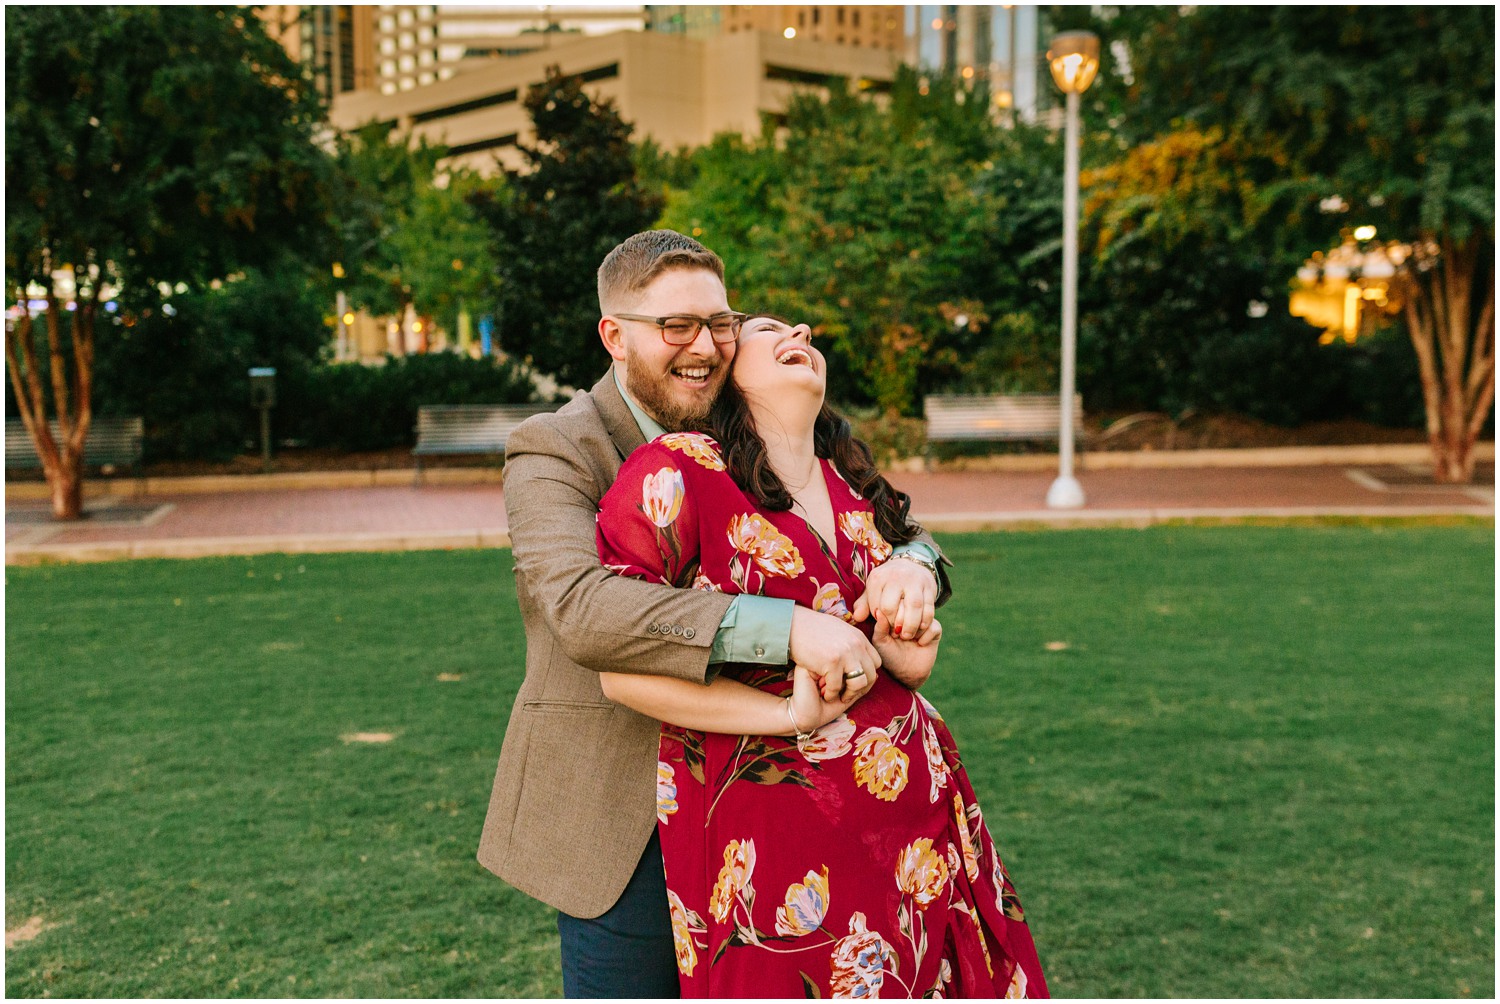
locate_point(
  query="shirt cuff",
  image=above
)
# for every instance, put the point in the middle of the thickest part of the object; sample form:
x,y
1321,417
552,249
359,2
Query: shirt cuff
x,y
754,629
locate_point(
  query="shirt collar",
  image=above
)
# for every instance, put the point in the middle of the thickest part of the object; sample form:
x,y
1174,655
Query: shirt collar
x,y
650,427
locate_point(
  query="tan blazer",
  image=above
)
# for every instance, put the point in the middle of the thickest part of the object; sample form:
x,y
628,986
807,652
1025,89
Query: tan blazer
x,y
574,798
573,803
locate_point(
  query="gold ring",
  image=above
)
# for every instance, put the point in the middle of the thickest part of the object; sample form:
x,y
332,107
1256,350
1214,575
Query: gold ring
x,y
854,676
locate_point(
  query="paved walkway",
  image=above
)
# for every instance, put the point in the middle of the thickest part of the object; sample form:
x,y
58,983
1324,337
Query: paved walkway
x,y
203,519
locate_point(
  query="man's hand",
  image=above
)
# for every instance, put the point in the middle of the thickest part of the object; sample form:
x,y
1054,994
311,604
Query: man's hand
x,y
905,592
834,651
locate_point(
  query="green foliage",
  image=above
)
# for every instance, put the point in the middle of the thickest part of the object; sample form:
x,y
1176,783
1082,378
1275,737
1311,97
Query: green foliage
x,y
1390,108
859,220
181,363
409,233
349,406
155,144
554,223
186,374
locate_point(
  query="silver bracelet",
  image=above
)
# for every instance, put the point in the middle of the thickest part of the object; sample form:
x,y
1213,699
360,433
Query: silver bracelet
x,y
802,737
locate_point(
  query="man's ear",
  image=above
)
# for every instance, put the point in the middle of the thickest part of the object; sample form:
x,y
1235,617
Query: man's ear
x,y
613,337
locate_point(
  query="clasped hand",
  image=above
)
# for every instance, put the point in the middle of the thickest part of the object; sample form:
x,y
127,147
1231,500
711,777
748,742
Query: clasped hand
x,y
901,595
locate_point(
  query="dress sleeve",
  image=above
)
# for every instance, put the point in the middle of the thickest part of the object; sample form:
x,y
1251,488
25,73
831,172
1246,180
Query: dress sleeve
x,y
647,526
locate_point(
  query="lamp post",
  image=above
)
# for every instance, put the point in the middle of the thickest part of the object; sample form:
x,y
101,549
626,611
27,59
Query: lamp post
x,y
1074,59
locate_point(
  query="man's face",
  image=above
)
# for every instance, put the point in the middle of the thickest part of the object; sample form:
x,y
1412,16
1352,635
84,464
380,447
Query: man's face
x,y
675,384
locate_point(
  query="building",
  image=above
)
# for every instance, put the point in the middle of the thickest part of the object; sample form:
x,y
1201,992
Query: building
x,y
858,26
722,82
997,45
337,41
420,44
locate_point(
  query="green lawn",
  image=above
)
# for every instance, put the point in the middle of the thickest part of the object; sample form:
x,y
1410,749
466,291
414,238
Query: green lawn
x,y
1263,765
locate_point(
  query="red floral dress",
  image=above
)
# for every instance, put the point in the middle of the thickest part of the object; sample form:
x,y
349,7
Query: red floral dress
x,y
857,866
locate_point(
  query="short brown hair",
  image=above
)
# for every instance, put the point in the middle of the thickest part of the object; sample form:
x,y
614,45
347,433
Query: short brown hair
x,y
637,260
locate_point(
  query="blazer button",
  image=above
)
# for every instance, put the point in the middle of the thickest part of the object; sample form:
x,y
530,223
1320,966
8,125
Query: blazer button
x,y
652,629
688,633
760,651
677,629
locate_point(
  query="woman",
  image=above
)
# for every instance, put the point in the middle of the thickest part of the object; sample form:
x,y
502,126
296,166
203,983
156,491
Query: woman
x,y
812,848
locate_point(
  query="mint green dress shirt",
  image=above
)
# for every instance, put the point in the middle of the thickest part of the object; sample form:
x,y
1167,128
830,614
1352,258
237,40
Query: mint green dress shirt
x,y
754,628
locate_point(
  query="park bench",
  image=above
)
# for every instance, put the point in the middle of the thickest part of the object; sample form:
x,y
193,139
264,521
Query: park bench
x,y
446,430
111,443
995,417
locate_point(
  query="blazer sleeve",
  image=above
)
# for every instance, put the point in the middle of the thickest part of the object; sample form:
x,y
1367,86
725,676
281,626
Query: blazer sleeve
x,y
601,620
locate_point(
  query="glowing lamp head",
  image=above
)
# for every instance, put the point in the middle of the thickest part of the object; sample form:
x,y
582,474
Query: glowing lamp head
x,y
1074,59
348,317
1364,233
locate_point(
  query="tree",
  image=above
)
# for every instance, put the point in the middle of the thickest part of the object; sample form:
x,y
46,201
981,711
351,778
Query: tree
x,y
1380,116
146,147
410,235
861,219
554,222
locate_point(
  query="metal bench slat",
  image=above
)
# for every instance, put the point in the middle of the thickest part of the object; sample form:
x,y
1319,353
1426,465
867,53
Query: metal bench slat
x,y
953,417
110,441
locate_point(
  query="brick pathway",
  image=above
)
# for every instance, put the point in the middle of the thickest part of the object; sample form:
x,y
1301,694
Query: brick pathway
x,y
435,516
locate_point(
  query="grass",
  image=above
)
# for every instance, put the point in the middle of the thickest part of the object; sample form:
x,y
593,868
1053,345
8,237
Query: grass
x,y
1263,765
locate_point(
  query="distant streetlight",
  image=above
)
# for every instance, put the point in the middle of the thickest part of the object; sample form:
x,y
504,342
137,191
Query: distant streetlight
x,y
1074,59
789,33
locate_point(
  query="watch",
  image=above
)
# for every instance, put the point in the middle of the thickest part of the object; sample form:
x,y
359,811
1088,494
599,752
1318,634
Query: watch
x,y
931,566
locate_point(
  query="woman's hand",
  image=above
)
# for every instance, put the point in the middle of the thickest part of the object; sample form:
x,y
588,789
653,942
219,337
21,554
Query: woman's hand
x,y
910,662
905,591
809,708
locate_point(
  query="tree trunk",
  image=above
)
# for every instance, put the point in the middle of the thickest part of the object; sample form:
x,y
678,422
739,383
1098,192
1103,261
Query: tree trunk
x,y
1455,346
61,455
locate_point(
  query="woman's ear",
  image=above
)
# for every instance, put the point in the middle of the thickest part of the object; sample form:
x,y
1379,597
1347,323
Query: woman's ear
x,y
613,337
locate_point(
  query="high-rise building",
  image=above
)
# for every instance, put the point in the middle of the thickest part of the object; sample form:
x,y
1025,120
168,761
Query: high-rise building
x,y
421,44
337,41
996,44
675,89
859,26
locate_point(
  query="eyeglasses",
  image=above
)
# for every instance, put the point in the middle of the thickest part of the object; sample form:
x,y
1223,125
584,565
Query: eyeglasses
x,y
681,329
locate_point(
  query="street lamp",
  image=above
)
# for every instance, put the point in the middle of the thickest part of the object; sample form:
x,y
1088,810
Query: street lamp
x,y
1074,60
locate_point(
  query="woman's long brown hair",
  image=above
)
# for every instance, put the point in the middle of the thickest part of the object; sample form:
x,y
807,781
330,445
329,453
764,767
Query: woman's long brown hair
x,y
731,423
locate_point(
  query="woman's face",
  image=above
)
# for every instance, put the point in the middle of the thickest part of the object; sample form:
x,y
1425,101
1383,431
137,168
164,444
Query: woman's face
x,y
776,363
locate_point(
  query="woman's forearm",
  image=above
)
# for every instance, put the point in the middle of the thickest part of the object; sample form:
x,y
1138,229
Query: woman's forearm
x,y
726,706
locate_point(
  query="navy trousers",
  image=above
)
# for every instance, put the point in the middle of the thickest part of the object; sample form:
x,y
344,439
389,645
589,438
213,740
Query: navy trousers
x,y
628,951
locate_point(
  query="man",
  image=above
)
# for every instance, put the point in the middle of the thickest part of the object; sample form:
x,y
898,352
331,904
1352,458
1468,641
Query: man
x,y
572,817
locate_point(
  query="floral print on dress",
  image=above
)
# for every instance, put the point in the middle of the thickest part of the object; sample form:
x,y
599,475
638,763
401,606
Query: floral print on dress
x,y
937,767
880,765
829,742
758,540
869,547
734,877
701,448
859,962
685,924
661,496
809,870
805,905
666,791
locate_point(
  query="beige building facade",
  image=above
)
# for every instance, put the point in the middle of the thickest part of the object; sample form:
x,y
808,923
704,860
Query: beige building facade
x,y
336,40
856,25
420,44
676,89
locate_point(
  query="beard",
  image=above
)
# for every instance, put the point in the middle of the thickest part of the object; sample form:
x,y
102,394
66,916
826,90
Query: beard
x,y
676,408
